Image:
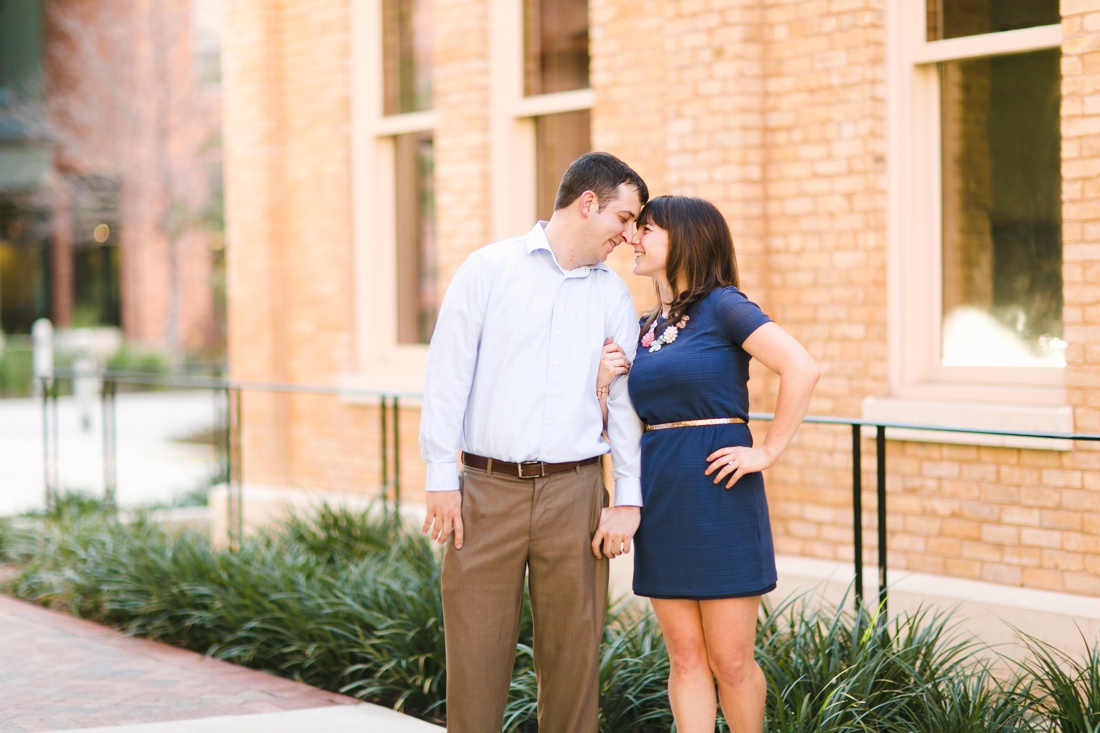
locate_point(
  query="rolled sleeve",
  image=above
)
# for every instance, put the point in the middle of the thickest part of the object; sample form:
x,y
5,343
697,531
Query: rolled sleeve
x,y
624,429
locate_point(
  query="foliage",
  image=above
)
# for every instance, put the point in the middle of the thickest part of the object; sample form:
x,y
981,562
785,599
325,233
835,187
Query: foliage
x,y
132,358
1066,691
16,367
351,602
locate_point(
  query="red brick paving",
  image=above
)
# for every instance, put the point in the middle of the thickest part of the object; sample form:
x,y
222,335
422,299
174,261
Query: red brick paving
x,y
58,672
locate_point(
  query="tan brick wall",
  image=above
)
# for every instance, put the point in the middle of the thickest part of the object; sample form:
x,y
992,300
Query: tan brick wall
x,y
773,109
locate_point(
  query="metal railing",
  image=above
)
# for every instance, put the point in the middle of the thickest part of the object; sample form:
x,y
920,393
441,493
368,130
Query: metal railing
x,y
389,447
880,428
229,448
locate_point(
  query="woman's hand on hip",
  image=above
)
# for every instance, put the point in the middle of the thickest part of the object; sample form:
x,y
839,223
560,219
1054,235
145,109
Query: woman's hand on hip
x,y
731,463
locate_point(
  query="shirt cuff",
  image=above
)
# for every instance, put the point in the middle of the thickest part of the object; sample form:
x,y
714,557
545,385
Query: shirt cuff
x,y
628,492
444,477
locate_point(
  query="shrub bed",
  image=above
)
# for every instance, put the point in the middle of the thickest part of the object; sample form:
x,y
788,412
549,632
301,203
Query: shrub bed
x,y
351,603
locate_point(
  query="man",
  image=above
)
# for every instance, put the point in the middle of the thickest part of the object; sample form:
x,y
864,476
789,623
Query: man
x,y
511,381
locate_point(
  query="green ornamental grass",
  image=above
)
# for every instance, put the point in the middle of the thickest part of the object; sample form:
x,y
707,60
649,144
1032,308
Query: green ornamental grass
x,y
350,602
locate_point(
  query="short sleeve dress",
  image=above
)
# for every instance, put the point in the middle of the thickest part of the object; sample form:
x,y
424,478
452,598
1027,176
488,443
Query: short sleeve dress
x,y
698,540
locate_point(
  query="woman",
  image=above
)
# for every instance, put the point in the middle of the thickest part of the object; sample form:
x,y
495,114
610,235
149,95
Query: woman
x,y
704,548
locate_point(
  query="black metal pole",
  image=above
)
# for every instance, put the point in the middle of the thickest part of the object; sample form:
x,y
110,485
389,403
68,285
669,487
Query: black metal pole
x,y
385,466
396,454
880,448
226,447
239,473
857,512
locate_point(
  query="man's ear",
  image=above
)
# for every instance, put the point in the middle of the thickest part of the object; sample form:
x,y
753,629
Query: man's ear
x,y
588,203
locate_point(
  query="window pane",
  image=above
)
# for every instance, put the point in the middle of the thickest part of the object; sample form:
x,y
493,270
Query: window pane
x,y
417,296
406,56
24,266
555,45
956,18
1002,226
559,140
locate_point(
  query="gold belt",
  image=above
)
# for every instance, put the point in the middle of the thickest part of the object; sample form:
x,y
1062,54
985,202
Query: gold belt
x,y
695,423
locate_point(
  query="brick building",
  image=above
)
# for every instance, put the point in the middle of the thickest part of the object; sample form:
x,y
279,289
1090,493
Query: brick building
x,y
111,168
912,189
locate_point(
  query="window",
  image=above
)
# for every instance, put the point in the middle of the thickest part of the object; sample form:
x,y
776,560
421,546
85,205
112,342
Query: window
x,y
541,102
396,291
555,45
414,193
976,193
406,56
208,41
974,213
559,140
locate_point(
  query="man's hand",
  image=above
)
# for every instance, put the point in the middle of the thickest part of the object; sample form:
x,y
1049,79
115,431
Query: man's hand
x,y
444,515
617,527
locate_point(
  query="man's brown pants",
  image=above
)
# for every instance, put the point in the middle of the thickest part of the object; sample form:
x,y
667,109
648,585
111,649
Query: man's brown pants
x,y
541,527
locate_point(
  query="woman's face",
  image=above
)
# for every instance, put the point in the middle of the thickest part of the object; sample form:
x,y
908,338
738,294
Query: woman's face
x,y
650,244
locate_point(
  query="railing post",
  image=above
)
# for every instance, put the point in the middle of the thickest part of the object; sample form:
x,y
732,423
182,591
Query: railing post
x,y
49,442
857,512
384,453
234,493
880,485
396,455
110,450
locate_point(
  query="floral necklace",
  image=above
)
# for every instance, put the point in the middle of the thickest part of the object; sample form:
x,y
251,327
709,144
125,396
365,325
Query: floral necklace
x,y
667,336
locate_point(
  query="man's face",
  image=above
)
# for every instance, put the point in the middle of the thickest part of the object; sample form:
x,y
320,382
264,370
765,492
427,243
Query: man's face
x,y
613,225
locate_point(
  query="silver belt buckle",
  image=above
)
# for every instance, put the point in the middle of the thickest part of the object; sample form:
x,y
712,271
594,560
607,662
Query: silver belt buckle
x,y
534,464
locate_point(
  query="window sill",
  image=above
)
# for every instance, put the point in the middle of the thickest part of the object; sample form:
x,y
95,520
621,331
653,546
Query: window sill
x,y
400,374
971,415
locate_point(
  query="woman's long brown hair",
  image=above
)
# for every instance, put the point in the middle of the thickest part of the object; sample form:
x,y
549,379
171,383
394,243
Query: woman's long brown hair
x,y
701,257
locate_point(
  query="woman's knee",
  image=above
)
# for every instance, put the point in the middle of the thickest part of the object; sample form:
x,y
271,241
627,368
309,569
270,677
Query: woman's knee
x,y
687,656
734,669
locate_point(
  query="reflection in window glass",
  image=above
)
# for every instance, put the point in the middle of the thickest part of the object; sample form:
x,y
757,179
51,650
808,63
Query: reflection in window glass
x,y
414,189
97,295
406,56
559,140
555,46
24,267
957,18
208,32
1002,232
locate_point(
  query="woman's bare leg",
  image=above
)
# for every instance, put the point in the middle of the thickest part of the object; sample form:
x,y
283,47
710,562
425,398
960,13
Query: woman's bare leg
x,y
729,627
690,681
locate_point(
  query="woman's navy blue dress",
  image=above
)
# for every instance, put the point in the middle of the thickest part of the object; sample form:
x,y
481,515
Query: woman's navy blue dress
x,y
698,540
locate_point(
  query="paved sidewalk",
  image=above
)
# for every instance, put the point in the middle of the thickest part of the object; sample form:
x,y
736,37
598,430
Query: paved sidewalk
x,y
153,466
60,673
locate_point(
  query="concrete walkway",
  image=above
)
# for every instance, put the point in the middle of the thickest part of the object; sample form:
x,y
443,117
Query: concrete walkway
x,y
59,673
153,465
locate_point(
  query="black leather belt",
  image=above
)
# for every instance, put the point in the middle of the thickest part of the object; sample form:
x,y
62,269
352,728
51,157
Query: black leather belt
x,y
527,469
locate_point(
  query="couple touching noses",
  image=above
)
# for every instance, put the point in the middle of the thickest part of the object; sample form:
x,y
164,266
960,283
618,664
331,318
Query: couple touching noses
x,y
522,380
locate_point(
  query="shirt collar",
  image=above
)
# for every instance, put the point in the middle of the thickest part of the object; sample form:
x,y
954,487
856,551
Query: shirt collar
x,y
536,240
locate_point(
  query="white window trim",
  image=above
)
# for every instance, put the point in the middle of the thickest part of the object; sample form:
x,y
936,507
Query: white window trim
x,y
513,122
381,362
919,386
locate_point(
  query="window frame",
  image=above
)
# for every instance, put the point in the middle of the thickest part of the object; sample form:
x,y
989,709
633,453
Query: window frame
x,y
513,151
381,361
920,389
914,218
